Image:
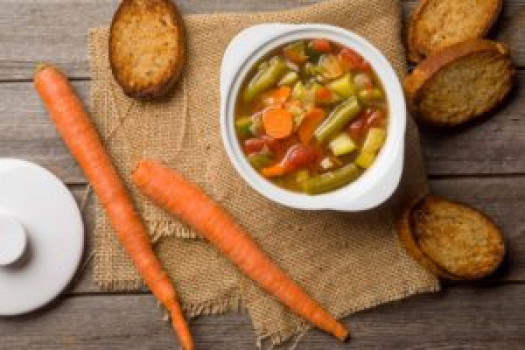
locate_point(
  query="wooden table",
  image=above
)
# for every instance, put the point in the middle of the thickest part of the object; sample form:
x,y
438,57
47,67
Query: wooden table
x,y
482,165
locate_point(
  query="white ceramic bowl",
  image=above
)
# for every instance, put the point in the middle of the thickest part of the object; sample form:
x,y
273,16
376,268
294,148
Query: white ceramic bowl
x,y
378,183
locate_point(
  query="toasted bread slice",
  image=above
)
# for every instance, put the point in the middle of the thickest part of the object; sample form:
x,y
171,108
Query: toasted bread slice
x,y
436,24
460,82
409,241
452,240
146,47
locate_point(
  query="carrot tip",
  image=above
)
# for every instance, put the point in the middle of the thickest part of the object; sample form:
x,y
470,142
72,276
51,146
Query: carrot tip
x,y
40,66
342,333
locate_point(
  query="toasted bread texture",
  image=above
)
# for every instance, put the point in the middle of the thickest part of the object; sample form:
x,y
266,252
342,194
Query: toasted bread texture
x,y
460,82
147,47
451,239
411,245
436,24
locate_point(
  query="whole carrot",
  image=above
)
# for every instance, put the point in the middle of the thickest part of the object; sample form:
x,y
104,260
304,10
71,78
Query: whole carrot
x,y
185,200
74,125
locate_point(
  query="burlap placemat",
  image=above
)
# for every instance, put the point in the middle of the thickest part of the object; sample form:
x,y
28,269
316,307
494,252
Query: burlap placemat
x,y
348,262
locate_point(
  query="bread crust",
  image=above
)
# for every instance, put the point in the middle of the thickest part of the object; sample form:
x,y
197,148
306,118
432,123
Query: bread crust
x,y
413,54
423,74
411,239
407,238
162,84
416,49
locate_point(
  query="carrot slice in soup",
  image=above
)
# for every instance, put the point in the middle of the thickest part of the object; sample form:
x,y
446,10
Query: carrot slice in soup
x,y
320,45
278,123
312,119
277,96
274,171
323,95
296,157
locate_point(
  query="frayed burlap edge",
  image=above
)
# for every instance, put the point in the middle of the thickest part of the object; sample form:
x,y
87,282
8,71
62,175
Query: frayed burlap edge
x,y
170,228
288,334
211,307
233,303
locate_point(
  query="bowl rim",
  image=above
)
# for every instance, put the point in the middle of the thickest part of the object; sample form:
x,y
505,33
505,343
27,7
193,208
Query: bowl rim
x,y
395,130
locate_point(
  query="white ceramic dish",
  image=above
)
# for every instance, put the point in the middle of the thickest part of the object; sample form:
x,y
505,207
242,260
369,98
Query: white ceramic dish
x,y
41,237
379,182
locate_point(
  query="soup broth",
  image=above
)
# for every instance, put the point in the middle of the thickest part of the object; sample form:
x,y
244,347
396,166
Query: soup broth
x,y
311,116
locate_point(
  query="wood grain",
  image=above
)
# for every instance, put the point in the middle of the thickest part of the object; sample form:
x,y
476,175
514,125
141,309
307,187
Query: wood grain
x,y
50,30
464,317
27,132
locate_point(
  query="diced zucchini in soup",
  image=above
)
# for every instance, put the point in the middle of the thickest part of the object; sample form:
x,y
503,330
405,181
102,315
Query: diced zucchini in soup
x,y
342,144
343,86
321,136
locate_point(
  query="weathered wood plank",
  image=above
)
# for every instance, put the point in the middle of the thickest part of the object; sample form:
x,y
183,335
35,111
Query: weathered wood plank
x,y
52,30
492,147
458,318
501,198
83,280
56,31
26,131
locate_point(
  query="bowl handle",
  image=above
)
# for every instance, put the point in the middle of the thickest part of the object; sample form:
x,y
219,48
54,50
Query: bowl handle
x,y
383,189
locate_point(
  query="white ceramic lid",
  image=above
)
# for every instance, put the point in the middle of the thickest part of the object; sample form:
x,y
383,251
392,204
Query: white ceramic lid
x,y
41,237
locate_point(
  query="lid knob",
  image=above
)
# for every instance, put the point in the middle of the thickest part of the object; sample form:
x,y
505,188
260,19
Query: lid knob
x,y
13,240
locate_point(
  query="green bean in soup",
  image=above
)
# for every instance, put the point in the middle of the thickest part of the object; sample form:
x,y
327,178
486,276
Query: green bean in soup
x,y
312,116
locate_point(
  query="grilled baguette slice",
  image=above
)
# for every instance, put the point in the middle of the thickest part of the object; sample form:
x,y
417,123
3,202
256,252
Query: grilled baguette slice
x,y
460,82
436,24
146,47
452,240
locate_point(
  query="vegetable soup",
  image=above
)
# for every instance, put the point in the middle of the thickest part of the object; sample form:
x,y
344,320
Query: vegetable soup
x,y
311,116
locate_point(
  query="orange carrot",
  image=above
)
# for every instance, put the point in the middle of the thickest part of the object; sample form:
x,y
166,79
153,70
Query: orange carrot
x,y
278,123
324,95
188,202
74,125
320,45
296,157
274,170
312,119
277,96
